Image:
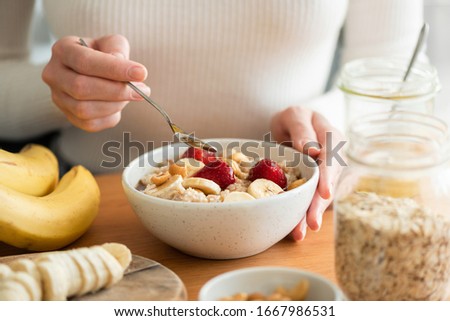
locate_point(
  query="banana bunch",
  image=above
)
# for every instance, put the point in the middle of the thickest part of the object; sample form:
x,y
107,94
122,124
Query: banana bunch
x,y
37,212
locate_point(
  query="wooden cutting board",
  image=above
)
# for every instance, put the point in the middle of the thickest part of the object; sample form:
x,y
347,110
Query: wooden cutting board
x,y
156,283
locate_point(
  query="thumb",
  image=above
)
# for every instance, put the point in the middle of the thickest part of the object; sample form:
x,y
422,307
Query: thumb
x,y
116,45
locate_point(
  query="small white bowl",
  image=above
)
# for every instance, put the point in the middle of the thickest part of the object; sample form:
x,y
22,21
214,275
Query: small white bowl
x,y
265,280
221,230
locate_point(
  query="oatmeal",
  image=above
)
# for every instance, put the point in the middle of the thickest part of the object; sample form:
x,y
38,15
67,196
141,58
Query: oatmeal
x,y
202,177
391,249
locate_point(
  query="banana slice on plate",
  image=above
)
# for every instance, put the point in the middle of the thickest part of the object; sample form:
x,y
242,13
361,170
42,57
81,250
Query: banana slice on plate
x,y
120,252
30,284
63,274
88,278
237,197
205,185
54,281
5,271
27,266
114,268
262,187
11,290
101,275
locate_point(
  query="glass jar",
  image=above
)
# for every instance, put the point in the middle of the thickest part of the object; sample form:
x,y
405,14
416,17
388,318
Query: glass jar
x,y
376,85
392,209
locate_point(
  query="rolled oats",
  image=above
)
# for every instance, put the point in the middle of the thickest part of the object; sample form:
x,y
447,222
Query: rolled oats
x,y
391,249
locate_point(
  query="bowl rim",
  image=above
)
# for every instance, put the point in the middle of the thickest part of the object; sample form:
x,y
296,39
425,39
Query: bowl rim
x,y
269,268
313,180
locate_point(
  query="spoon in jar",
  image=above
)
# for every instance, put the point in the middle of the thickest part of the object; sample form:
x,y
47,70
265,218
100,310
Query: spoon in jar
x,y
182,135
419,44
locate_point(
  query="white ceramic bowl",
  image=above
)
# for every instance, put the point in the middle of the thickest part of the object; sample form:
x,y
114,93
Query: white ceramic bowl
x,y
265,280
221,230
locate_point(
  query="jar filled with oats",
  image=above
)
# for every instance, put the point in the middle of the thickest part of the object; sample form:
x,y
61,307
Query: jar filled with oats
x,y
373,85
392,209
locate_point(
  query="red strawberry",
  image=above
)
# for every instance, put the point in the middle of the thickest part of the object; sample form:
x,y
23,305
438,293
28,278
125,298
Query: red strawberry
x,y
199,154
270,170
219,172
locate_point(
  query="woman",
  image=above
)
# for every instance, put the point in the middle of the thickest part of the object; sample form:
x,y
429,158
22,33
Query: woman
x,y
222,68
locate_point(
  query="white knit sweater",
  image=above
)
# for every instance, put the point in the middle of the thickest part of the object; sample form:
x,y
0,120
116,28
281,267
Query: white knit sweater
x,y
219,67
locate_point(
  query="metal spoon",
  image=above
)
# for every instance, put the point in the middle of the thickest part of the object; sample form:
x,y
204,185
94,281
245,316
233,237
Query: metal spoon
x,y
420,42
182,135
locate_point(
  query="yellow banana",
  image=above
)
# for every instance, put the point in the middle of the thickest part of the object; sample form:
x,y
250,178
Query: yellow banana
x,y
33,171
52,221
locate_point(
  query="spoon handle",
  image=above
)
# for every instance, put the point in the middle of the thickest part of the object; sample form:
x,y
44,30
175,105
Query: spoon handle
x,y
420,42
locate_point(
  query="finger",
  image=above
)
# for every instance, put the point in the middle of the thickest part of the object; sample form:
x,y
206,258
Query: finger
x,y
329,169
88,61
94,125
299,232
85,109
302,134
116,45
316,210
84,87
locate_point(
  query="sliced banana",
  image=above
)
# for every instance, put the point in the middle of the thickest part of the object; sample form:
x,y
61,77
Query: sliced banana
x,y
62,274
74,274
239,157
27,266
262,187
237,197
70,269
54,282
191,164
205,185
101,275
296,183
5,271
88,278
115,270
120,252
11,290
30,284
169,189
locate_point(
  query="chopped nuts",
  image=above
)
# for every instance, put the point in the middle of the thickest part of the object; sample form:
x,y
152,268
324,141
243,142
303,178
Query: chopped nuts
x,y
297,293
175,169
296,183
160,178
237,170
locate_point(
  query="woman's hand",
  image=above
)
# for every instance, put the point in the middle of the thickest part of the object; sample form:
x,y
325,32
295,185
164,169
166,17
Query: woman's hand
x,y
307,132
88,84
